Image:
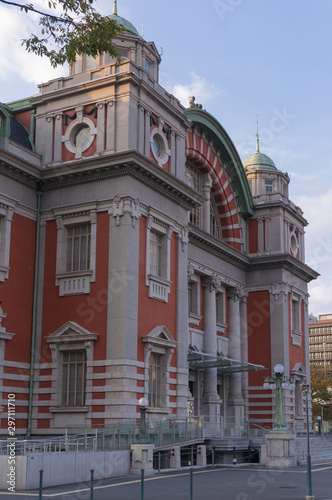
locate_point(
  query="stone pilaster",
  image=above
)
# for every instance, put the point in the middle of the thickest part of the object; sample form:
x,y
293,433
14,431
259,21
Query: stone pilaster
x,y
182,323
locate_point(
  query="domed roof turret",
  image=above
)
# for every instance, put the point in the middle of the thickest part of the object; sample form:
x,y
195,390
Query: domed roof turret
x,y
127,26
259,160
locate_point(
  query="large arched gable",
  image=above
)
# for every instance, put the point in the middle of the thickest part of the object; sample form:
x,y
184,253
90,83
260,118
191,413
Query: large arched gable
x,y
211,150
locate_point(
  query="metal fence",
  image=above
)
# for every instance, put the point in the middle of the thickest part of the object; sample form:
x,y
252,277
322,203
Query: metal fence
x,y
112,438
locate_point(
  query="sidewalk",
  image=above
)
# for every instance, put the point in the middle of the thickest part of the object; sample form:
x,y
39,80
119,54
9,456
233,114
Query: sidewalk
x,y
245,483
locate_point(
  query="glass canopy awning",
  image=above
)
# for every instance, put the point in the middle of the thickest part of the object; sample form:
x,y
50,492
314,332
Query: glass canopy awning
x,y
224,365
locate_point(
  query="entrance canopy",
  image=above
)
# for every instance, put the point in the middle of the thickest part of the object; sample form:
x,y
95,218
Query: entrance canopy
x,y
224,365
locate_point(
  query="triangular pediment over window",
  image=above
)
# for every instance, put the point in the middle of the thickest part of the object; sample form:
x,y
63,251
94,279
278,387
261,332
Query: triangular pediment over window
x,y
160,336
298,370
71,332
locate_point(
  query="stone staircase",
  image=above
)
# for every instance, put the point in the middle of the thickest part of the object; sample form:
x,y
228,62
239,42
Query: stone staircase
x,y
320,449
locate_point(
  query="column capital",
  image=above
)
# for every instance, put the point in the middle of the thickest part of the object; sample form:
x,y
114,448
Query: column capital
x,y
280,287
239,293
211,283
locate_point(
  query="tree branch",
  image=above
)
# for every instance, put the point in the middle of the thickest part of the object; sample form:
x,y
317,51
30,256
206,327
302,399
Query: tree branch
x,y
32,9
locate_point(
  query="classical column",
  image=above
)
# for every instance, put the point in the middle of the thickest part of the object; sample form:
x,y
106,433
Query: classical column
x,y
58,137
244,345
101,127
206,209
211,400
110,126
261,246
235,399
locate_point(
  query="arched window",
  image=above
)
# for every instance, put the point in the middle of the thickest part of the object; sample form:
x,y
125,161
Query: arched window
x,y
193,180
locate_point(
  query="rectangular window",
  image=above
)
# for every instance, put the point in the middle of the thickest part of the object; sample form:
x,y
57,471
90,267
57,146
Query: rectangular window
x,y
220,308
78,240
156,254
268,185
90,63
191,306
73,375
0,230
123,53
295,315
155,380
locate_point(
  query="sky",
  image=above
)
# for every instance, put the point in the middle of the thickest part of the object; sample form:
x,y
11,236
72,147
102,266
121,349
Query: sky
x,y
240,59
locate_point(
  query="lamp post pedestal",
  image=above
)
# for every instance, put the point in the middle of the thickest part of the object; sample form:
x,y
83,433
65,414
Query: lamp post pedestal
x,y
142,450
279,450
142,458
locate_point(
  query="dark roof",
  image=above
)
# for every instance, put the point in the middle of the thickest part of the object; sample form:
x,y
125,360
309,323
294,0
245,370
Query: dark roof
x,y
19,134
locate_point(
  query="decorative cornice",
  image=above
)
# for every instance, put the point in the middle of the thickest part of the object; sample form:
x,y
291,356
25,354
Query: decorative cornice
x,y
284,261
206,241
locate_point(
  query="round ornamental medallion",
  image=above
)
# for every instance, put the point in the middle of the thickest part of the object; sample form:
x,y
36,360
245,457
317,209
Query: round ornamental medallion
x,y
159,146
294,243
79,136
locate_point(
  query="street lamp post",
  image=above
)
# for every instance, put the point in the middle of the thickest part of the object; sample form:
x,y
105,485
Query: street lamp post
x,y
143,402
279,382
319,419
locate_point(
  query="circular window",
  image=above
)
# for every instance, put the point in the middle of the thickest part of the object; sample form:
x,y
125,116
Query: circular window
x,y
79,136
82,136
159,146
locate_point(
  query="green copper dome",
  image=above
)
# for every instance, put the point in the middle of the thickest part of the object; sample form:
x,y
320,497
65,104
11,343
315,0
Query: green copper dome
x,y
259,160
127,26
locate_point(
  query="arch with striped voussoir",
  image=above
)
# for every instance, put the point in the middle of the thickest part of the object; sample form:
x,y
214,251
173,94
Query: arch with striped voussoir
x,y
210,150
201,153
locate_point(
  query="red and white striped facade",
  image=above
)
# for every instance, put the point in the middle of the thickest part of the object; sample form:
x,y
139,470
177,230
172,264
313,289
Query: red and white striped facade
x,y
110,153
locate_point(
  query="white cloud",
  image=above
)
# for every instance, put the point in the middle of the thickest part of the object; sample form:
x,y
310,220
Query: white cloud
x,y
14,59
320,301
200,87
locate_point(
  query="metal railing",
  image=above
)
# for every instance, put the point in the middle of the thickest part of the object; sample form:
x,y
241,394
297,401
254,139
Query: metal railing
x,y
112,438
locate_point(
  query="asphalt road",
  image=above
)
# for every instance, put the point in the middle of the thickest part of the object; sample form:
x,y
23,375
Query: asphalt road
x,y
245,483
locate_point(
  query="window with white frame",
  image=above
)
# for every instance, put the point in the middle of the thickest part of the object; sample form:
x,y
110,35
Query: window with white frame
x,y
78,242
157,244
73,378
76,251
72,348
158,257
159,347
194,306
220,308
296,333
155,380
6,215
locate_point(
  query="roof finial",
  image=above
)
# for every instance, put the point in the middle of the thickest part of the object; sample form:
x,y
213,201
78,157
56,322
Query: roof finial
x,y
257,137
115,8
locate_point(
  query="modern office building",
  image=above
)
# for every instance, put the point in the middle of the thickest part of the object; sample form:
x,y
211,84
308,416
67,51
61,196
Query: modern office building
x,y
140,257
320,343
